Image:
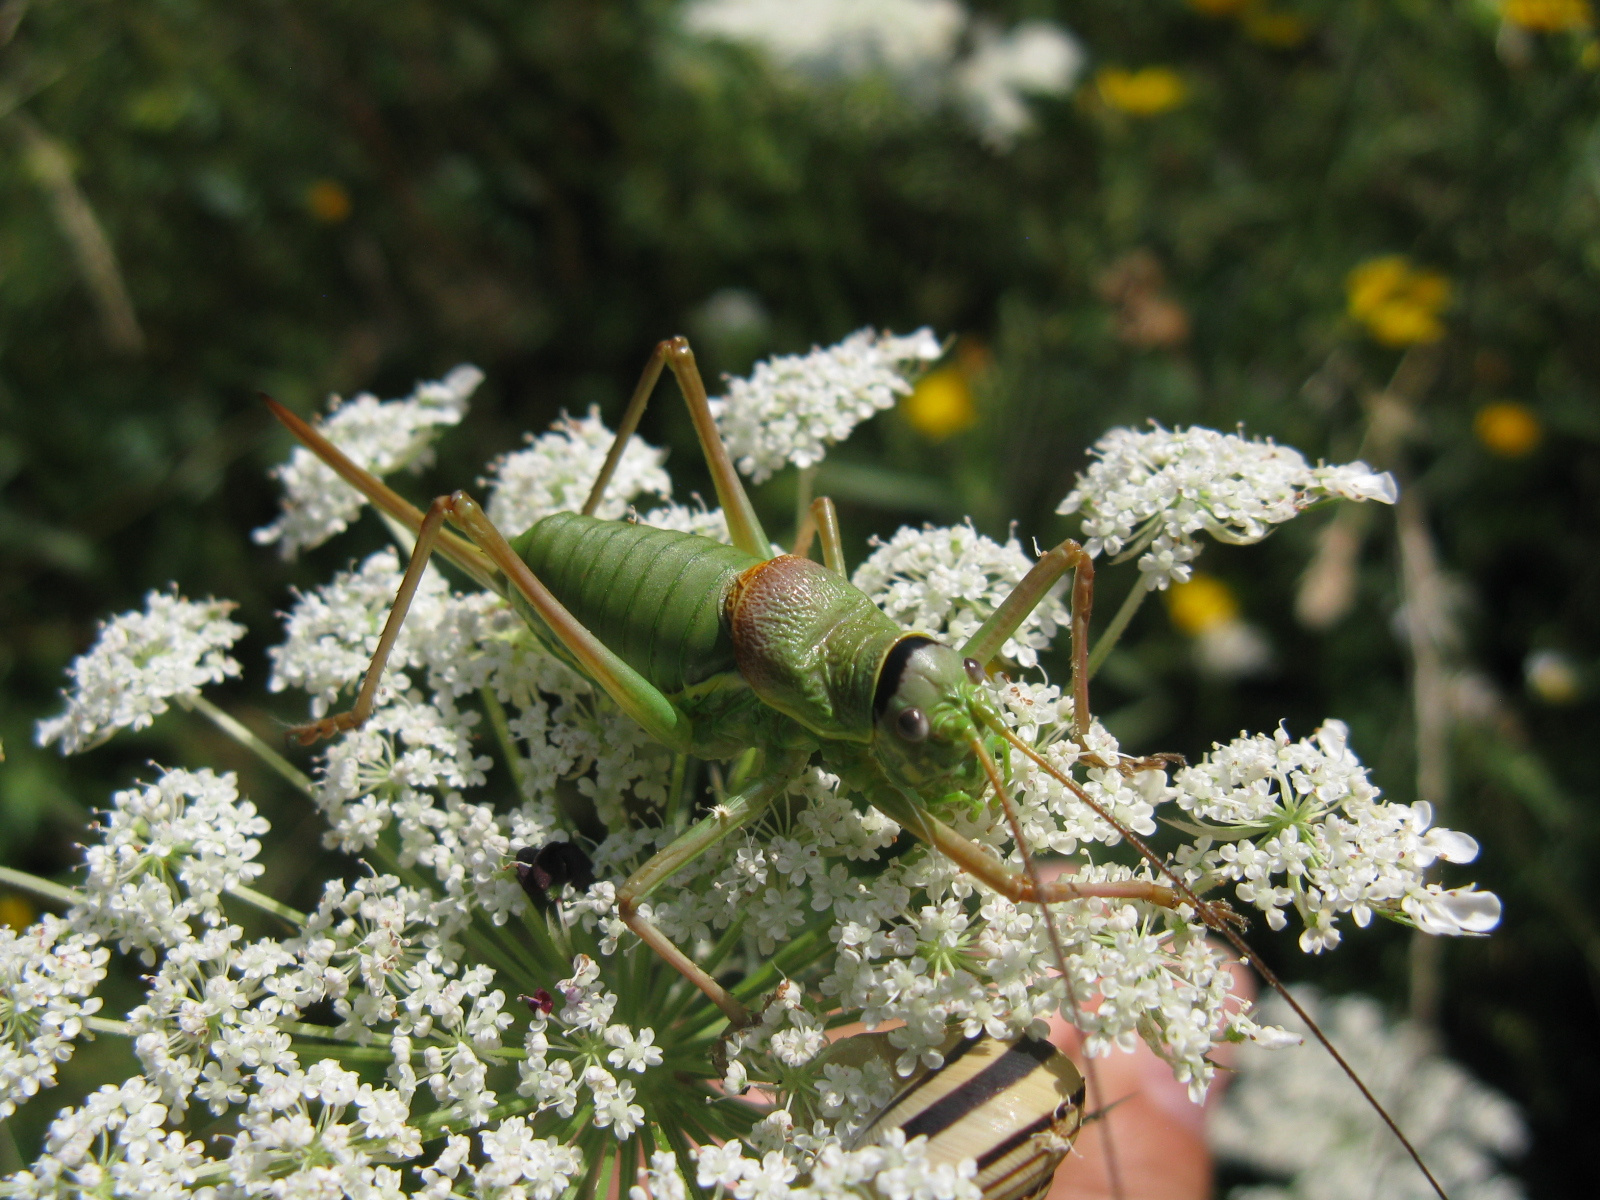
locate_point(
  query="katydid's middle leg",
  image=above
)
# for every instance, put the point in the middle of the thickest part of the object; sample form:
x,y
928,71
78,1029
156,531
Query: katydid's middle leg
x,y
822,522
733,814
743,525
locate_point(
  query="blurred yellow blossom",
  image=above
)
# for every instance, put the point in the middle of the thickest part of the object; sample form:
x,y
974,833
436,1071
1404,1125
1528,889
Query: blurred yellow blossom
x,y
1553,677
328,201
941,403
1507,428
1548,16
1284,30
15,911
1201,603
1399,303
1142,93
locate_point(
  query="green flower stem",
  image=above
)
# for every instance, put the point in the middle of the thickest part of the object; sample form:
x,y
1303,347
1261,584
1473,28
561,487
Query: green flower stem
x,y
502,734
267,904
805,486
42,888
108,1025
1119,623
237,731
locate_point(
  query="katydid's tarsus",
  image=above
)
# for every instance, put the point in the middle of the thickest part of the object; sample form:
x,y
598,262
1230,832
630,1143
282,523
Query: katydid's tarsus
x,y
718,649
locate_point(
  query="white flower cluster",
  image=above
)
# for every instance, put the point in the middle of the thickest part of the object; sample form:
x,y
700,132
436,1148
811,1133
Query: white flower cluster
x,y
793,407
1300,824
140,661
1151,493
556,471
1293,1115
47,976
168,852
382,436
112,1145
481,747
914,43
897,1168
946,582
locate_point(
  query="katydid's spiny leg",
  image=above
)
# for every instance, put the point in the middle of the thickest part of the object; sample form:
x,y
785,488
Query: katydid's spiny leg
x,y
1027,596
733,814
632,692
743,525
458,551
427,536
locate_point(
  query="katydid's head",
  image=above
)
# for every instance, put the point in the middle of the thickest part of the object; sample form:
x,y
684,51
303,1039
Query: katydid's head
x,y
926,711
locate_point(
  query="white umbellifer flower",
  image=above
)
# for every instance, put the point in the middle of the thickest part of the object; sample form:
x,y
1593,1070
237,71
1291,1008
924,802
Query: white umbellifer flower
x,y
558,469
897,1168
946,581
1293,1114
1299,823
382,436
792,408
837,36
47,975
140,661
111,1145
1037,57
168,852
1155,491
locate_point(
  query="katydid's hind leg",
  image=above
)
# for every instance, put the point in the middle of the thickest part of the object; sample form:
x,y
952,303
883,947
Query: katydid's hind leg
x,y
822,522
427,537
735,813
674,353
985,644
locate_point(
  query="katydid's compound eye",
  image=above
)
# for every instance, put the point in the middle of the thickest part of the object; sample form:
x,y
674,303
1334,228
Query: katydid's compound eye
x,y
912,724
974,669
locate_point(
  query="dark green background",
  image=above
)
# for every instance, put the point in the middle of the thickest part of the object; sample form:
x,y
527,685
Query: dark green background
x,y
545,187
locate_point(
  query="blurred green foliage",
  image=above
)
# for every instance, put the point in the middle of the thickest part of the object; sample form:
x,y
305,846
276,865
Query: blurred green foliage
x,y
313,198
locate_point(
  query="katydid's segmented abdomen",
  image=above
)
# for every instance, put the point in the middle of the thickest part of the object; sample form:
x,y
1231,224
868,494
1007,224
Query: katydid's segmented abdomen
x,y
654,596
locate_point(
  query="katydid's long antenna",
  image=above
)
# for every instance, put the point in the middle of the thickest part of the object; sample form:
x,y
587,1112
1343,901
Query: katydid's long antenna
x,y
1217,920
1031,869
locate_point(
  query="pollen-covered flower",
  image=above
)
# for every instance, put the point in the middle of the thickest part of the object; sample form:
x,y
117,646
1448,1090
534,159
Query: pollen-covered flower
x,y
140,661
793,407
1154,492
1294,1115
382,436
558,469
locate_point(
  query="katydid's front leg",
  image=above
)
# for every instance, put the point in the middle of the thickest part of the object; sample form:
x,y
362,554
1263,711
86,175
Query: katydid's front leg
x,y
984,645
631,691
733,814
984,865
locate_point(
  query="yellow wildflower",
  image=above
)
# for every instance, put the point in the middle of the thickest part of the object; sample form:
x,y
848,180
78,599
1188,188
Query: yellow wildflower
x,y
328,201
15,911
1508,429
941,403
1142,93
1548,16
1397,302
1202,603
1283,30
